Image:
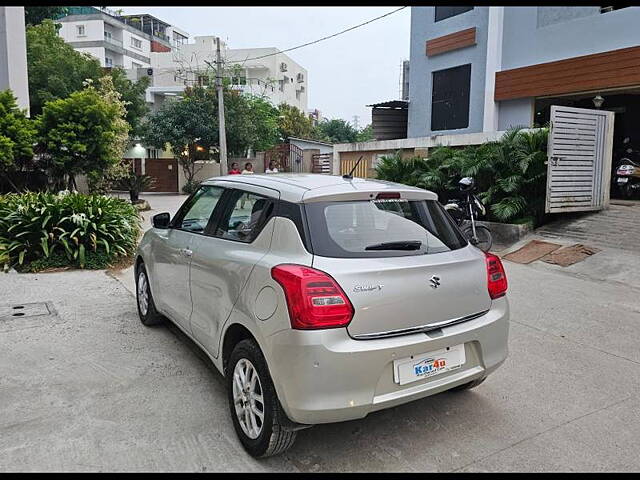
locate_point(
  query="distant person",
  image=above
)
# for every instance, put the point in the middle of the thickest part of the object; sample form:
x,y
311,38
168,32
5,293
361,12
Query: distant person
x,y
234,169
272,168
248,169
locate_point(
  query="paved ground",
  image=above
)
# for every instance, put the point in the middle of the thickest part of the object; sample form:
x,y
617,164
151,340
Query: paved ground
x,y
617,227
88,388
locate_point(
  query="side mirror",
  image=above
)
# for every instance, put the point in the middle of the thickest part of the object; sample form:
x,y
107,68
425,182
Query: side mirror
x,y
161,220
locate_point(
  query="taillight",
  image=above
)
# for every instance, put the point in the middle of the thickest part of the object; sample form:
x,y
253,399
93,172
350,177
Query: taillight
x,y
496,276
314,298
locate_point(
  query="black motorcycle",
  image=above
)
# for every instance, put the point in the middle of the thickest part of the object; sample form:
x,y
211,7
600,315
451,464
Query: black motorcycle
x,y
625,178
465,211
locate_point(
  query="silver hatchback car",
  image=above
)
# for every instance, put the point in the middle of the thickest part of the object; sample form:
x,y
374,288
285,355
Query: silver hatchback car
x,y
323,298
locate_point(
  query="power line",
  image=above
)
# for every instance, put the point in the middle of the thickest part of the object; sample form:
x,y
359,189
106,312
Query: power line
x,y
327,37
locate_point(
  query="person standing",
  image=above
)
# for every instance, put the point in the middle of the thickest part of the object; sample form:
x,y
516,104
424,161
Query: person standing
x,y
248,169
234,169
272,168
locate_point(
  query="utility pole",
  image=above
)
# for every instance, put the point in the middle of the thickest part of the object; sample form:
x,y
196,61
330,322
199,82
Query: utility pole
x,y
221,127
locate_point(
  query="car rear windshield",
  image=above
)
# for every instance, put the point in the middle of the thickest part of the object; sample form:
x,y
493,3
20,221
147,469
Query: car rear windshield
x,y
381,228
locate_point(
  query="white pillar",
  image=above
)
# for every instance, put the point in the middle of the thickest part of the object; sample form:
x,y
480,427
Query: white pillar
x,y
13,54
493,65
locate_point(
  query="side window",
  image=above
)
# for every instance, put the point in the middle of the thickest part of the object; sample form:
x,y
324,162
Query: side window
x,y
449,11
196,214
450,98
244,218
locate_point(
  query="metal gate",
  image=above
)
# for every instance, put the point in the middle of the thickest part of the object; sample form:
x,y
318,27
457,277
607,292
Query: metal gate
x,y
322,163
287,156
579,166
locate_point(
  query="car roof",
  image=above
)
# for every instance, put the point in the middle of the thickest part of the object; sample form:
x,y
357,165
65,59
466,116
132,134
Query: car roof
x,y
311,187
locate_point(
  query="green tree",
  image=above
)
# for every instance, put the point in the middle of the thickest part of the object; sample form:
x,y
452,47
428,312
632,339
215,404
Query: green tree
x,y
17,135
365,134
84,133
55,69
293,122
338,131
263,116
133,95
35,15
188,126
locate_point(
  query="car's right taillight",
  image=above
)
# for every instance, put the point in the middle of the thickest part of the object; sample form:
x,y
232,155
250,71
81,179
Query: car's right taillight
x,y
496,276
314,298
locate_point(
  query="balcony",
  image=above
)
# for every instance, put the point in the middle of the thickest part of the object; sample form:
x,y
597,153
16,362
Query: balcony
x,y
113,41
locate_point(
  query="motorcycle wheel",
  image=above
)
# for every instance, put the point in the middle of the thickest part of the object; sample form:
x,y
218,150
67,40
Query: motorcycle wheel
x,y
626,191
484,240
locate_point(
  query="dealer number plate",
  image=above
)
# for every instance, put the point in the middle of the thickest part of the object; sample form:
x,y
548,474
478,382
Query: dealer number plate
x,y
412,369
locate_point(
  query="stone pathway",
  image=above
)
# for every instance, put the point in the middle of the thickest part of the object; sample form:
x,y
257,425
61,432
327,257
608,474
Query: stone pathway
x,y
617,227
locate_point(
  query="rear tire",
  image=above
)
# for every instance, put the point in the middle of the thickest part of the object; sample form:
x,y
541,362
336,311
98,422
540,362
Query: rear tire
x,y
147,312
469,385
485,240
260,437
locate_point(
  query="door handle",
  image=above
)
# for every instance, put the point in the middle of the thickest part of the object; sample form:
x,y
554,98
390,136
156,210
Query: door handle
x,y
555,160
186,252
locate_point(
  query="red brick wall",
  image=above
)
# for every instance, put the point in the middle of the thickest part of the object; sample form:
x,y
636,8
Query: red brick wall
x,y
158,47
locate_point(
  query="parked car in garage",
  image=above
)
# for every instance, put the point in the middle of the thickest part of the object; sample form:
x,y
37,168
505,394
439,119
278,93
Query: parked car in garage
x,y
323,298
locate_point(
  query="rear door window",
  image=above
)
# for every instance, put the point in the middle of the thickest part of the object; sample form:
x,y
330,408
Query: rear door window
x,y
244,218
381,228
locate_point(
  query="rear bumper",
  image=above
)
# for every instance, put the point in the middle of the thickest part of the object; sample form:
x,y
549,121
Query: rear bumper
x,y
326,376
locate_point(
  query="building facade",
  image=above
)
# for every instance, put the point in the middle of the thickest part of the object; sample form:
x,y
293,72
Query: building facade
x,y
275,76
483,69
116,40
13,55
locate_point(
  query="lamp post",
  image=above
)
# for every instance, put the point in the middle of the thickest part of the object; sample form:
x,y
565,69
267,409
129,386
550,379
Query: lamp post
x,y
597,101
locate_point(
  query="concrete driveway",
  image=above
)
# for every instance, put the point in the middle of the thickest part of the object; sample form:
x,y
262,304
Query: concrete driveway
x,y
88,388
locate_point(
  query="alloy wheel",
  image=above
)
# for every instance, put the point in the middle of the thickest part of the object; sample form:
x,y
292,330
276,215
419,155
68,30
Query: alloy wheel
x,y
143,295
248,398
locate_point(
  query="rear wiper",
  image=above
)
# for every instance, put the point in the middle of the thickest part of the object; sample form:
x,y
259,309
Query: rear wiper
x,y
406,245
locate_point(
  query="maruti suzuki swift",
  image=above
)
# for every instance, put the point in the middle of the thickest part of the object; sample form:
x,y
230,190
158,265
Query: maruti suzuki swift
x,y
323,298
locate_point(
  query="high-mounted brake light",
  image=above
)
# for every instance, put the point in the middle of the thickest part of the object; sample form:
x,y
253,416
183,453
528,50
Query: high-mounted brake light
x,y
496,276
387,195
314,298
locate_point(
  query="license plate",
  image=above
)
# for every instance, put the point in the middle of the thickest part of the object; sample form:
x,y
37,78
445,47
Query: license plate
x,y
622,180
412,369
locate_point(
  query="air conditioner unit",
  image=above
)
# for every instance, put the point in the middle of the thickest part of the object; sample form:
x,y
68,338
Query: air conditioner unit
x,y
283,67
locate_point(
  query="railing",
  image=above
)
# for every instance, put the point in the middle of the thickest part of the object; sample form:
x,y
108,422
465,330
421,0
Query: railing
x,y
113,41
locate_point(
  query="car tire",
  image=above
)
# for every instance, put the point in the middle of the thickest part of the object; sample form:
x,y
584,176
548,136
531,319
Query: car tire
x,y
468,385
147,312
269,438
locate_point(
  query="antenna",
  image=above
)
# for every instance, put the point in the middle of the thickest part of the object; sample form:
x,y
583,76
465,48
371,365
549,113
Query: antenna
x,y
349,176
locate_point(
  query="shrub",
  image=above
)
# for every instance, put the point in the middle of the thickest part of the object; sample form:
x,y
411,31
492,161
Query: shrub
x,y
510,173
190,187
83,228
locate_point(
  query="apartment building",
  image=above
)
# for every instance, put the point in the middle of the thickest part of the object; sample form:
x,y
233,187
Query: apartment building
x,y
117,40
265,72
483,69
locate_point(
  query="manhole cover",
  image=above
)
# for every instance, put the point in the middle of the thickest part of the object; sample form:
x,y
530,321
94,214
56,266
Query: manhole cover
x,y
23,310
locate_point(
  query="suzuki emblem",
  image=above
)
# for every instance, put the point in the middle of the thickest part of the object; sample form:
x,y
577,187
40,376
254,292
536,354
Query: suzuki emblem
x,y
435,281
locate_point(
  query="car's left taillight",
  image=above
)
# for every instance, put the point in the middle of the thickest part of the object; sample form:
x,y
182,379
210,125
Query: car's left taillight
x,y
314,298
496,276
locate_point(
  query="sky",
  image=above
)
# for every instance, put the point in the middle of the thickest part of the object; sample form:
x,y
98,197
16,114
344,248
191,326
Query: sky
x,y
345,73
